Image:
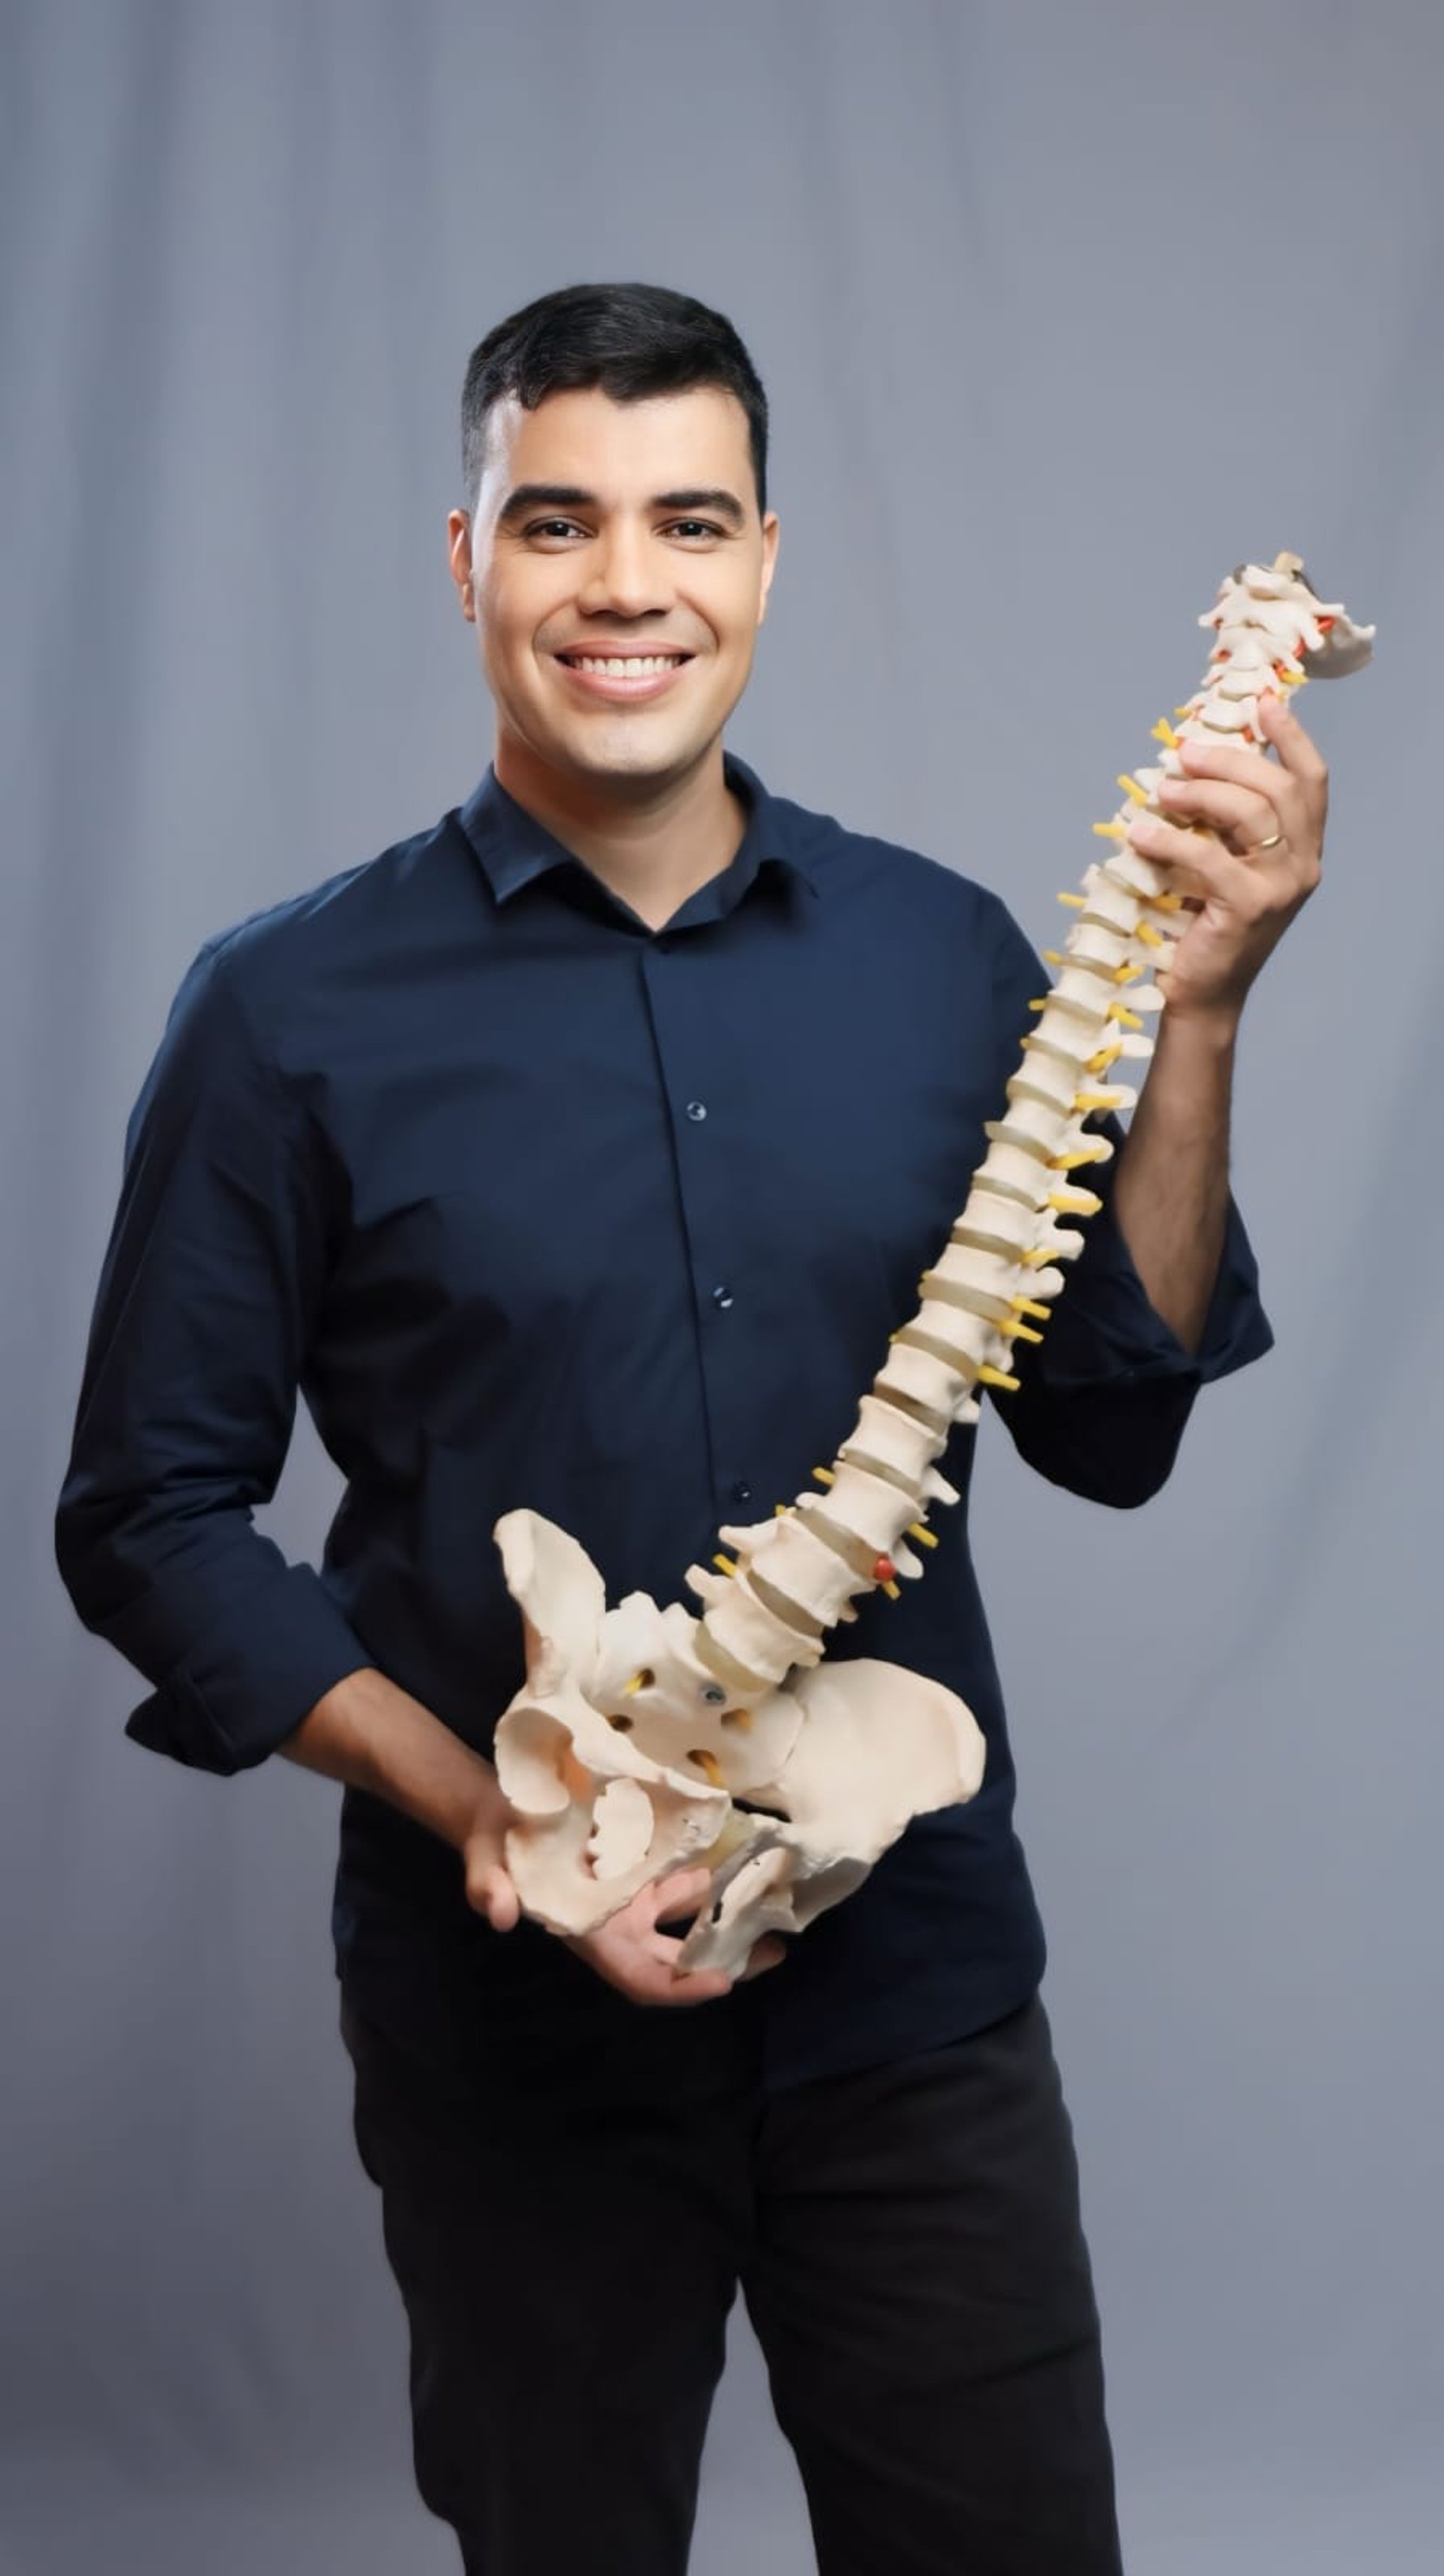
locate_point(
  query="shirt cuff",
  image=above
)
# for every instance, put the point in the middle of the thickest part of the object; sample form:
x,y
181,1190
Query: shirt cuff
x,y
227,1708
1104,1332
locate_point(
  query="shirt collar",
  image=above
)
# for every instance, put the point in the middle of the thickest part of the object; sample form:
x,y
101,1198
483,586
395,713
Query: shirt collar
x,y
514,849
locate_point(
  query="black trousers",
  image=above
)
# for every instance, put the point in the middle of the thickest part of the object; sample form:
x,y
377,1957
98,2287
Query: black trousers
x,y
568,2232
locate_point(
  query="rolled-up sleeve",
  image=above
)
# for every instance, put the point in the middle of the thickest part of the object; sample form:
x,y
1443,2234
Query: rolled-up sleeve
x,y
1103,1401
209,1291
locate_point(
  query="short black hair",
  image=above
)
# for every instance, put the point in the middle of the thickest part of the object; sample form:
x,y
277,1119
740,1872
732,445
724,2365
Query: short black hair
x,y
633,341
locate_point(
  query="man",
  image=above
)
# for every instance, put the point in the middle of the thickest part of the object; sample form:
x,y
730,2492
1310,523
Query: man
x,y
580,1153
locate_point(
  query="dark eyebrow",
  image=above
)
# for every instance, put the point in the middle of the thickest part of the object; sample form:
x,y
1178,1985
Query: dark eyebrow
x,y
570,496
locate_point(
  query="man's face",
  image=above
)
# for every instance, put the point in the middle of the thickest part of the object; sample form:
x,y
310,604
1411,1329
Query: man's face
x,y
643,540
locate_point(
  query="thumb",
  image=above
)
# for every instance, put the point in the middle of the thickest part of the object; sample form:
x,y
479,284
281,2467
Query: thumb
x,y
680,1892
489,1891
769,1952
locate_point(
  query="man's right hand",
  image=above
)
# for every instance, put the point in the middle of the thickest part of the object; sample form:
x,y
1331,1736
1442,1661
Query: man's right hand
x,y
368,1732
630,1952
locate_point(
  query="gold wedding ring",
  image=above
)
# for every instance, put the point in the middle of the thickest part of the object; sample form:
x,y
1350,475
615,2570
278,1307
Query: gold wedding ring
x,y
1271,843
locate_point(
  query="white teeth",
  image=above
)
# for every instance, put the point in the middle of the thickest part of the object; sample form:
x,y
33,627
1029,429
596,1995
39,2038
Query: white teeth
x,y
637,667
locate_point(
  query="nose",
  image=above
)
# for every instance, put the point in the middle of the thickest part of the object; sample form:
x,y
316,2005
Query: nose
x,y
626,573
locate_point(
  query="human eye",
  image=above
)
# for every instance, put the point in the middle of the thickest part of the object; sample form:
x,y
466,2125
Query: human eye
x,y
697,527
550,527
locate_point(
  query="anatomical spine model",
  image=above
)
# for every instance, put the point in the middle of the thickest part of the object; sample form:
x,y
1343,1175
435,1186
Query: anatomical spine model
x,y
644,1739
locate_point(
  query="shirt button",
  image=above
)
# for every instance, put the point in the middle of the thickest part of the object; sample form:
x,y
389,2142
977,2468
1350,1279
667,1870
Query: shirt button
x,y
721,1296
741,1491
697,1111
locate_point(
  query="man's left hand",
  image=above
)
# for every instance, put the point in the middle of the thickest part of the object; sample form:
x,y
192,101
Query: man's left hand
x,y
1243,895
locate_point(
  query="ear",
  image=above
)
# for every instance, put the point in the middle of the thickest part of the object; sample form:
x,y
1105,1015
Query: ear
x,y
458,533
769,560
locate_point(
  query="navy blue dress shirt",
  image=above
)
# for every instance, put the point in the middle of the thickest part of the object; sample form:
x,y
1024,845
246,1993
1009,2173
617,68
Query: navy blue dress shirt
x,y
538,1207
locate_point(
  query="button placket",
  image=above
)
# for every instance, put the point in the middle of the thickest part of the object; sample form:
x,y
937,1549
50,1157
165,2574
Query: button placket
x,y
690,1056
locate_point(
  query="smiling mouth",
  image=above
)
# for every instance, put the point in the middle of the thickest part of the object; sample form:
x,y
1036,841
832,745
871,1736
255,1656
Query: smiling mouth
x,y
632,666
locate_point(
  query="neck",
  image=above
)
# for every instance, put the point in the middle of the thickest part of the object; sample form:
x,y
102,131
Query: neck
x,y
652,843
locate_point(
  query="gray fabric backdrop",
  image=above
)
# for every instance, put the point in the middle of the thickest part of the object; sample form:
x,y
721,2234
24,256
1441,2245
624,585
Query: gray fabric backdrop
x,y
1062,309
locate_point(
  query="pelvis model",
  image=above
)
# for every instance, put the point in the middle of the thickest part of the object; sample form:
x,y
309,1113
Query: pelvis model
x,y
647,1739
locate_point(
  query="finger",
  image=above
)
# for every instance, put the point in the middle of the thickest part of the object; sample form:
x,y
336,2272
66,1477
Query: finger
x,y
643,1966
769,1953
1298,752
699,1986
1300,780
650,1980
680,1893
1248,816
489,1891
1232,760
1202,860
